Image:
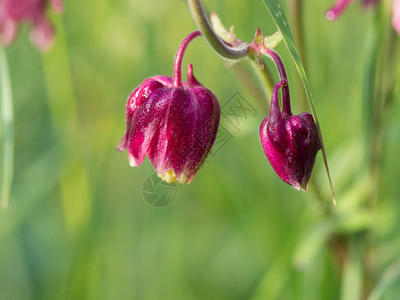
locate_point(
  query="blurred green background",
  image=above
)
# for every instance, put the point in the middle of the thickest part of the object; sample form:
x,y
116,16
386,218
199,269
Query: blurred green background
x,y
78,226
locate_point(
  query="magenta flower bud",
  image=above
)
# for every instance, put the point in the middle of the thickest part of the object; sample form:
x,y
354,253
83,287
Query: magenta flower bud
x,y
174,123
289,142
14,12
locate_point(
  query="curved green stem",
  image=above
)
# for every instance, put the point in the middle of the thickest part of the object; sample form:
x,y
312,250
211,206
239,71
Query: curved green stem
x,y
200,17
226,51
8,129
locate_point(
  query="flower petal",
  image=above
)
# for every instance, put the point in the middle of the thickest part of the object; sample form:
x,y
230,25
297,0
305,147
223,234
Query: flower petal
x,y
145,124
281,159
8,28
24,10
162,151
207,112
42,33
57,5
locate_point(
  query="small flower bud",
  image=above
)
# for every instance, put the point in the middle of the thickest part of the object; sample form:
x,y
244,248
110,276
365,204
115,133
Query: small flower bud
x,y
290,142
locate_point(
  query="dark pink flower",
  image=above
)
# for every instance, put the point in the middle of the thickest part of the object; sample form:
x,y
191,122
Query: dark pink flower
x,y
174,123
289,142
15,12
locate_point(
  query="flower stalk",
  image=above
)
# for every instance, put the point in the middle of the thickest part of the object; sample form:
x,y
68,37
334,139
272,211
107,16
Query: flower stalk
x,y
8,130
282,73
179,57
234,49
224,50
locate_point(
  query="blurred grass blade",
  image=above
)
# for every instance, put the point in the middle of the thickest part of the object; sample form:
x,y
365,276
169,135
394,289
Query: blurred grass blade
x,y
311,244
352,274
31,194
274,281
391,274
74,181
8,129
277,14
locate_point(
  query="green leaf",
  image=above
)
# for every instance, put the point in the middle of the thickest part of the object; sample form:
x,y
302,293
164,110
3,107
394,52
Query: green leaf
x,y
7,117
275,9
391,274
273,40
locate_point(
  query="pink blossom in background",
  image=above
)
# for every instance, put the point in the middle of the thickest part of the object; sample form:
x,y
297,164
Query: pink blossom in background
x,y
15,12
340,6
396,16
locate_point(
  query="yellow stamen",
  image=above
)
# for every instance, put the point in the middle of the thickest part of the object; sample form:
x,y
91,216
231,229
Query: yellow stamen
x,y
168,177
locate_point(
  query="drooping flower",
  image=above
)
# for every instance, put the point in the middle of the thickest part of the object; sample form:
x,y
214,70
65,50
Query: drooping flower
x,y
15,12
174,123
290,142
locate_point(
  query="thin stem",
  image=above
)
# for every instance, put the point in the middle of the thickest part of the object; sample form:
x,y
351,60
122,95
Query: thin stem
x,y
379,84
179,57
200,17
262,72
275,112
296,13
282,73
223,49
8,130
385,61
